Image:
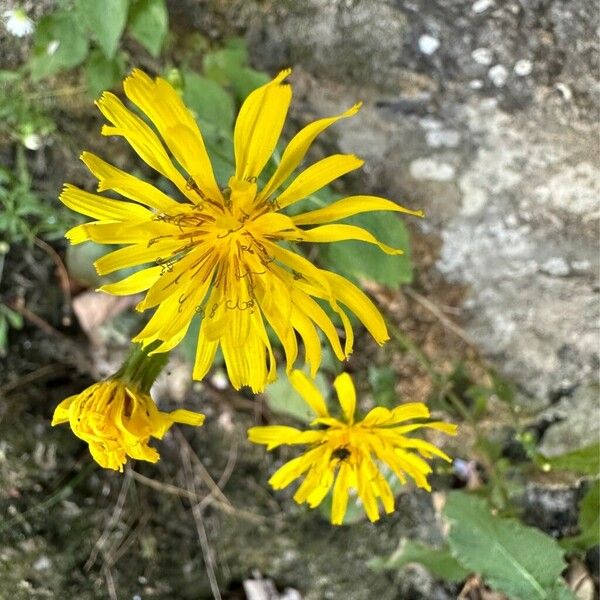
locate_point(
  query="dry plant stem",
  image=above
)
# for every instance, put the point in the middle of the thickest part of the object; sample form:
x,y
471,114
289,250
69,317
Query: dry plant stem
x,y
174,490
207,552
40,373
439,314
114,517
63,277
215,490
225,476
36,320
110,583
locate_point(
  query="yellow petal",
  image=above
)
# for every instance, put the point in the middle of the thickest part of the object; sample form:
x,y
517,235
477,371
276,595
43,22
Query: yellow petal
x,y
347,207
205,354
99,207
447,428
61,412
111,178
133,284
346,396
134,255
294,469
298,147
141,137
258,126
360,305
312,343
340,233
103,232
176,125
317,176
309,392
340,494
187,417
276,435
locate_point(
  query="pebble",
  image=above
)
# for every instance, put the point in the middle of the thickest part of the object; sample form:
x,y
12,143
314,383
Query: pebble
x,y
481,6
556,266
438,138
499,75
429,169
476,84
428,44
482,56
523,67
42,563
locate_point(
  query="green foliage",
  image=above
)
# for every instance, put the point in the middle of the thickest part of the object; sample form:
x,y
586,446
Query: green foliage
x,y
61,43
589,521
105,21
360,260
382,381
520,561
585,461
149,24
437,560
23,213
88,32
102,73
8,318
211,103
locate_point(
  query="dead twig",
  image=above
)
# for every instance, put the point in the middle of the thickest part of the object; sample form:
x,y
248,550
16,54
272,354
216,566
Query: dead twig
x,y
226,475
204,474
439,314
207,552
63,277
41,373
114,517
35,319
173,490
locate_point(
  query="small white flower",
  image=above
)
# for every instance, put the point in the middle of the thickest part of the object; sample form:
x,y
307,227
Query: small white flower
x,y
52,47
18,23
32,141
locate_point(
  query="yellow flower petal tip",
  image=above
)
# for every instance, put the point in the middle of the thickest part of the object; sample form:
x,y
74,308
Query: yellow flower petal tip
x,y
117,422
346,456
221,250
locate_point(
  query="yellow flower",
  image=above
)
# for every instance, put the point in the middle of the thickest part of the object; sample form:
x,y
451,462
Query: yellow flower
x,y
346,454
117,421
226,254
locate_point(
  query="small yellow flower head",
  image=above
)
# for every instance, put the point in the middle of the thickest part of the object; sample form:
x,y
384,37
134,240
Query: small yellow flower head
x,y
346,454
117,421
225,251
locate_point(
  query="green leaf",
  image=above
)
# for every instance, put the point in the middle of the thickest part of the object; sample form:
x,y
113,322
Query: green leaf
x,y
361,260
585,461
3,335
382,381
102,73
244,80
282,398
220,64
589,521
60,44
149,23
437,560
211,103
520,561
106,22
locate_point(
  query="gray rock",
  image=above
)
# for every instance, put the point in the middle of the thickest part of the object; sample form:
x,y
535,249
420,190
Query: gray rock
x,y
574,425
515,191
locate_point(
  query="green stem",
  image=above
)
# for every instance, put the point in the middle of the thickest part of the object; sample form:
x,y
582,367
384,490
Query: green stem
x,y
140,369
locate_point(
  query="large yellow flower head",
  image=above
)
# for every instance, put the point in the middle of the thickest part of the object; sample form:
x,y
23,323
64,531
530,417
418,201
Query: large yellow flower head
x,y
346,454
226,253
117,421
